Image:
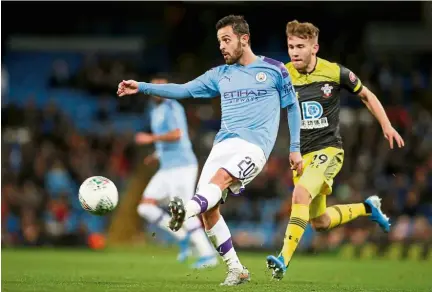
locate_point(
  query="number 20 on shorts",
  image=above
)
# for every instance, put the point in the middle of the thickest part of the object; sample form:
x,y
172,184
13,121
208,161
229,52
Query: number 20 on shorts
x,y
246,166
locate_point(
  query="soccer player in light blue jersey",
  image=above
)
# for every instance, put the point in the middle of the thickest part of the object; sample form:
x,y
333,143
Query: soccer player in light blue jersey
x,y
252,90
176,176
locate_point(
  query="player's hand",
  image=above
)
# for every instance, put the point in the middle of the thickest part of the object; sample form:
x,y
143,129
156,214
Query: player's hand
x,y
127,87
296,161
150,159
390,133
144,138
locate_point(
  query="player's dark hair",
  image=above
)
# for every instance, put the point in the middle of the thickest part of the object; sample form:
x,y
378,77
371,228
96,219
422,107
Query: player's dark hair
x,y
238,23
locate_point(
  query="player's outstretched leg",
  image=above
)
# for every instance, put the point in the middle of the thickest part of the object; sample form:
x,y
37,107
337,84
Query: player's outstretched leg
x,y
328,218
340,214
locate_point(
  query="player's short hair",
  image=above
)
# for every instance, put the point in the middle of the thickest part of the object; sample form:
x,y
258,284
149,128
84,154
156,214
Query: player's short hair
x,y
304,30
238,23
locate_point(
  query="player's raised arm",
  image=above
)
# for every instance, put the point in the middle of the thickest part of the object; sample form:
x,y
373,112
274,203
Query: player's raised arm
x,y
351,82
205,86
168,90
146,138
289,100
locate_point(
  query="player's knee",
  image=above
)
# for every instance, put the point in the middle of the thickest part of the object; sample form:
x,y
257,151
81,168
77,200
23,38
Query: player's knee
x,y
211,217
320,223
301,196
222,178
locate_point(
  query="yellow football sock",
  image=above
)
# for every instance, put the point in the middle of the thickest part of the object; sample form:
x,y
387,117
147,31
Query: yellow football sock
x,y
341,214
295,229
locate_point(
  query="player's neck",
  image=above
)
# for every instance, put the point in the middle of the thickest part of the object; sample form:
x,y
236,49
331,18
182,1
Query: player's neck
x,y
247,58
311,66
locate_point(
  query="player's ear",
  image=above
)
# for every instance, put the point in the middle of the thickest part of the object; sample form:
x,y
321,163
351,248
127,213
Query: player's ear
x,y
244,39
315,48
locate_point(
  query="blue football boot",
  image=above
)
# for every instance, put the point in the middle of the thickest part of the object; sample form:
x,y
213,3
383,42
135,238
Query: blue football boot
x,y
277,265
374,202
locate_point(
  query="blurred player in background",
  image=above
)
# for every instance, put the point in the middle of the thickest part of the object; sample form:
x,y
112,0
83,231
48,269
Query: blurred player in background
x,y
318,84
176,176
252,89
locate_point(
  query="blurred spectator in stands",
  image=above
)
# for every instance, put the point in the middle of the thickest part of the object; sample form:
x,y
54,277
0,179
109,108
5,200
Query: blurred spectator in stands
x,y
102,114
4,82
60,75
62,223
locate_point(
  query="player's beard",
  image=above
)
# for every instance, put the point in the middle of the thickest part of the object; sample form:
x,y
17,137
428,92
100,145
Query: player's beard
x,y
236,55
302,68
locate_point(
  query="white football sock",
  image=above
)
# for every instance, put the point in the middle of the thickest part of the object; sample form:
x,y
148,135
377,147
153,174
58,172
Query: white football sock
x,y
154,214
220,236
208,196
199,238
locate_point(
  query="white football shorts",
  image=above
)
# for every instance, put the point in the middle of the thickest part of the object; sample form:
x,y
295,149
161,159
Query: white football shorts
x,y
238,157
168,183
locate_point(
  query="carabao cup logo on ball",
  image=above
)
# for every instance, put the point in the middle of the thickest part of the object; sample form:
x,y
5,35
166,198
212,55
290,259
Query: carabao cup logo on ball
x,y
99,181
312,110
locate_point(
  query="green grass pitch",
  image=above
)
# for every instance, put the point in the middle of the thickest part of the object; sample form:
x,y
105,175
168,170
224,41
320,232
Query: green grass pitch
x,y
154,269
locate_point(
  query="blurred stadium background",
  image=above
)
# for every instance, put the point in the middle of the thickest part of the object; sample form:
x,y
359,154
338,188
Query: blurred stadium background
x,y
62,123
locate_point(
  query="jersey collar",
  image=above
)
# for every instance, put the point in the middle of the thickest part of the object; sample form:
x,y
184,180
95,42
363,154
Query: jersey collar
x,y
313,70
259,58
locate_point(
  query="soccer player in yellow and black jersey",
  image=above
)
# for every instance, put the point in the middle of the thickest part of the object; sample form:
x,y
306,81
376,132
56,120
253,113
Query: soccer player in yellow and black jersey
x,y
318,84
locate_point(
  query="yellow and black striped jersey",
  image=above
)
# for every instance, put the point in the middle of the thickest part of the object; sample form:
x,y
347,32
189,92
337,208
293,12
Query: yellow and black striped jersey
x,y
318,93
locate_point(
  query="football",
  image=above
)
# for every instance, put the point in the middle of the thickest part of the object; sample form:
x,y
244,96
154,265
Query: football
x,y
98,195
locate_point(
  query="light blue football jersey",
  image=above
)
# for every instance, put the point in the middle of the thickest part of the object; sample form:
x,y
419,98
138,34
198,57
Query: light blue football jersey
x,y
251,98
165,117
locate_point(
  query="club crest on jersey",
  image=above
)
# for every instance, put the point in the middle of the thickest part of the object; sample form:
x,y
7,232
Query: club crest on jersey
x,y
261,77
352,77
327,90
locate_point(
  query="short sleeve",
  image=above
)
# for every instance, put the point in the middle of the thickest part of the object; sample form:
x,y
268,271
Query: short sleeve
x,y
206,85
285,88
349,80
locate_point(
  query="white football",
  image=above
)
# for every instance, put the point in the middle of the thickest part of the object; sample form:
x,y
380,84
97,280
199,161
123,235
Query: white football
x,y
98,195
